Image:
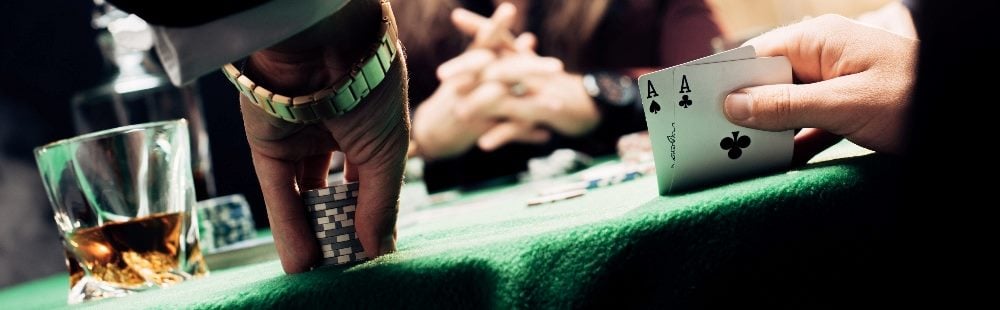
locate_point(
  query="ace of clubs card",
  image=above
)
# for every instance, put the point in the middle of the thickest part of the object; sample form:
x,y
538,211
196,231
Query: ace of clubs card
x,y
693,142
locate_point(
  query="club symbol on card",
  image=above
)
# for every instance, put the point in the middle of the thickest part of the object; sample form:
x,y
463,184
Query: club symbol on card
x,y
685,102
654,107
735,144
685,88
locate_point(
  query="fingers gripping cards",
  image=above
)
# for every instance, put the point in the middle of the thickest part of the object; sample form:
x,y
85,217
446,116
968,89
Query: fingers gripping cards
x,y
693,142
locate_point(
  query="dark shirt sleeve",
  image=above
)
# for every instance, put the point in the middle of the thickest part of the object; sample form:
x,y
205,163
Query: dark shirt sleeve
x,y
688,27
184,13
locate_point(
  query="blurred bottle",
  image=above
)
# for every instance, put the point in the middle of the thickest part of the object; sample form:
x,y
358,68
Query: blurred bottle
x,y
139,90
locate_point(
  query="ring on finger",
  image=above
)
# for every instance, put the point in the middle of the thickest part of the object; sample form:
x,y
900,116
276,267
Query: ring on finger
x,y
518,89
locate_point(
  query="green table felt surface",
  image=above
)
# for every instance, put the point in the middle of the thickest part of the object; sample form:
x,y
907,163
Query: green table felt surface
x,y
806,237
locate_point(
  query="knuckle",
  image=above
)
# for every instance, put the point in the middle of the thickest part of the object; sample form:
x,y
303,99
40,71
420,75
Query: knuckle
x,y
554,63
783,103
773,106
389,155
463,114
482,54
492,73
834,25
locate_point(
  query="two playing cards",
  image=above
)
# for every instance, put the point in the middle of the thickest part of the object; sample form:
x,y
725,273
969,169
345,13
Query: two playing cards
x,y
693,143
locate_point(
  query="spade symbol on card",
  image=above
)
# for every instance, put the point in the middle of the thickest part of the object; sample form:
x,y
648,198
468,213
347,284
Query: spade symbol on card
x,y
735,144
654,107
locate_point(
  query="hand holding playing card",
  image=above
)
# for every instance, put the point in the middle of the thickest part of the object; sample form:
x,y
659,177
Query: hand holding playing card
x,y
693,143
858,82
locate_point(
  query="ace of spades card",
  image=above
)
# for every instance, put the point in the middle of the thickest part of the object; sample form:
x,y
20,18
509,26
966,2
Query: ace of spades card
x,y
693,142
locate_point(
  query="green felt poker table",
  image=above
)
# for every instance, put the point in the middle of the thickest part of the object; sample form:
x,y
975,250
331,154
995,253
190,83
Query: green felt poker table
x,y
818,235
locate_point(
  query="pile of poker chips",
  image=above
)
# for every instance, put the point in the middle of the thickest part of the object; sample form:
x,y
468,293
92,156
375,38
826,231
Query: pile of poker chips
x,y
561,162
331,214
223,221
597,177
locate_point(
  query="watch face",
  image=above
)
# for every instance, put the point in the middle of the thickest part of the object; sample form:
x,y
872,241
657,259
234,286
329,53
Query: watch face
x,y
616,89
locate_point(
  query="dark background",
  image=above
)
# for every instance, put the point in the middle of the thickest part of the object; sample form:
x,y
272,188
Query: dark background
x,y
48,52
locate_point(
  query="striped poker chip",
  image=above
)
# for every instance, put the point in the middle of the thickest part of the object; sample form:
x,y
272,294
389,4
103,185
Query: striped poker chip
x,y
337,187
334,211
346,259
348,196
333,218
327,198
335,243
353,243
342,251
346,252
331,197
336,235
333,225
330,205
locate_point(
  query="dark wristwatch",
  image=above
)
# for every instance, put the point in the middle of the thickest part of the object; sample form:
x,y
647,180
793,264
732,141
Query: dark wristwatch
x,y
611,90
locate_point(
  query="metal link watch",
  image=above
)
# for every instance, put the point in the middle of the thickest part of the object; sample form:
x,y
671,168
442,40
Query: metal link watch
x,y
335,100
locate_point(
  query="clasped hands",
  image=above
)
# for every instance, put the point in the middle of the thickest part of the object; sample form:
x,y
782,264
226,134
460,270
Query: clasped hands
x,y
499,91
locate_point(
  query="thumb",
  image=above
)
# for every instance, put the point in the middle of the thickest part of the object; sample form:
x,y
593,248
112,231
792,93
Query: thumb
x,y
786,106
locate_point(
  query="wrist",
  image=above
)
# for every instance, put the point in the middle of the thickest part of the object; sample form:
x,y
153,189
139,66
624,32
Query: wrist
x,y
578,112
320,55
306,61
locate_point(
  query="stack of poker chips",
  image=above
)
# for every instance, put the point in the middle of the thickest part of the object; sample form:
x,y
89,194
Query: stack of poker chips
x,y
331,214
224,221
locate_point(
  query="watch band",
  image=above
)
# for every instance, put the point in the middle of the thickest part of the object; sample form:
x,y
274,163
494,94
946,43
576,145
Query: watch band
x,y
331,101
611,89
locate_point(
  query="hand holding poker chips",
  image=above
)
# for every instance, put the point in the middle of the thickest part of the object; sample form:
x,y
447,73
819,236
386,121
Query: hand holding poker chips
x,y
331,214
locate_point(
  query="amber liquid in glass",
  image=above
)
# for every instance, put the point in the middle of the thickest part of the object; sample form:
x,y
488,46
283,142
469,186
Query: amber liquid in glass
x,y
135,254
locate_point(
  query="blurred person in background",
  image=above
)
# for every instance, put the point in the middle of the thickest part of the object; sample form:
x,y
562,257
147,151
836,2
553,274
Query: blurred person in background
x,y
490,93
